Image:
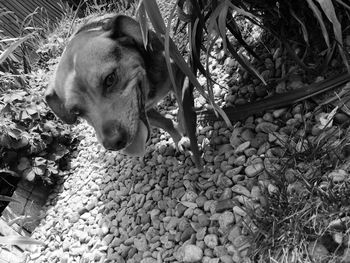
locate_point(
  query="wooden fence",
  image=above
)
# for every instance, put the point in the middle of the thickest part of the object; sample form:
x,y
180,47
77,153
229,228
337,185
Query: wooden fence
x,y
46,10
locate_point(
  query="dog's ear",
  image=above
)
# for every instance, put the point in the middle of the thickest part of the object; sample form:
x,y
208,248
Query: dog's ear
x,y
124,26
58,107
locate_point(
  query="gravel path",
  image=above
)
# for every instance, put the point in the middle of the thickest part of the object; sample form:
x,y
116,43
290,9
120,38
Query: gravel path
x,y
113,208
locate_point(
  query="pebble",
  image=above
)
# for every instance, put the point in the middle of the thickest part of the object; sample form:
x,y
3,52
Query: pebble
x,y
190,253
318,252
211,241
266,127
254,169
338,176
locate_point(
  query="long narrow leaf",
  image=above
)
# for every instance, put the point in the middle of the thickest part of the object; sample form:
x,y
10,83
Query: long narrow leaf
x,y
222,24
19,240
7,52
185,100
143,24
328,9
245,64
8,199
302,25
212,20
154,15
342,3
159,26
318,15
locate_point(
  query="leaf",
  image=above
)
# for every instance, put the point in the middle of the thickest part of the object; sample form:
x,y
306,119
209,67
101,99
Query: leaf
x,y
5,198
328,8
19,240
13,47
318,15
342,3
143,24
245,64
302,25
222,24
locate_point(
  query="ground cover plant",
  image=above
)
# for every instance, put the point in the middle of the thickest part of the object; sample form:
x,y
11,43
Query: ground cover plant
x,y
32,145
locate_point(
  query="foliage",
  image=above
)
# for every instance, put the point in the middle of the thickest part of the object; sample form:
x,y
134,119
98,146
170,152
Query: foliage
x,y
31,143
209,20
309,201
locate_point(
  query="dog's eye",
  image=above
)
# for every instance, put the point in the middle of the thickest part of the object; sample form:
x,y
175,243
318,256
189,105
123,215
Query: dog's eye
x,y
76,111
109,80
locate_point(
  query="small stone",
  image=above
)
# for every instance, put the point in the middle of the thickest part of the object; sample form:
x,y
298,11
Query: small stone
x,y
261,91
141,243
201,200
241,242
281,87
338,176
211,240
74,217
259,139
278,113
240,189
147,260
266,127
318,251
235,138
240,148
225,219
234,232
247,135
295,84
240,160
254,169
234,171
239,211
187,234
226,259
250,152
223,205
190,253
203,220
65,258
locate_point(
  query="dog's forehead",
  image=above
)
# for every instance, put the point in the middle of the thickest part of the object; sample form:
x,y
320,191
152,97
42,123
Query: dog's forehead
x,y
95,46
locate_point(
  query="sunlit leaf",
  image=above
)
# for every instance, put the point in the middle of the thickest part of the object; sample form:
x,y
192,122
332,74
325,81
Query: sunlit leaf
x,y
328,9
143,24
19,240
5,198
342,3
222,24
7,52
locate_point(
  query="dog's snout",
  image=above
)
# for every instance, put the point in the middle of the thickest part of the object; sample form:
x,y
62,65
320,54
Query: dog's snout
x,y
114,136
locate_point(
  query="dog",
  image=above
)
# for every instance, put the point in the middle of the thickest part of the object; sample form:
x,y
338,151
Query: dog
x,y
107,76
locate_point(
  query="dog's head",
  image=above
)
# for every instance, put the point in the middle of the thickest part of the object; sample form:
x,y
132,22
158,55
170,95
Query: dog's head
x,y
101,77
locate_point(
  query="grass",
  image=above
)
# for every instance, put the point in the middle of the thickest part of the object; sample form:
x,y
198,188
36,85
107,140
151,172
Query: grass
x,y
311,206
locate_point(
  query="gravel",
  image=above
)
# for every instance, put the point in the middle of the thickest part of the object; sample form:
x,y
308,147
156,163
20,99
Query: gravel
x,y
160,208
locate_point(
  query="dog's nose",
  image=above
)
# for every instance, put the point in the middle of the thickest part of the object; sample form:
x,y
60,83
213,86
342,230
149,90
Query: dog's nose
x,y
114,137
